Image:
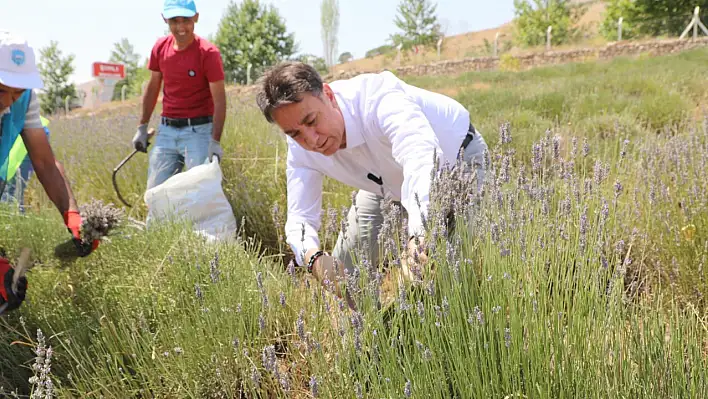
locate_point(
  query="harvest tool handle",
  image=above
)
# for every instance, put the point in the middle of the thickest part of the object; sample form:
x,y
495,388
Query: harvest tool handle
x,y
151,132
21,269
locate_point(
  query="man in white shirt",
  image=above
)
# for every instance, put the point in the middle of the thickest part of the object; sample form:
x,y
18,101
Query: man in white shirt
x,y
373,132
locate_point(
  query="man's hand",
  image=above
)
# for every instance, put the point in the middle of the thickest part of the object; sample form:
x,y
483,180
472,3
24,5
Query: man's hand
x,y
140,138
215,149
416,260
73,221
10,299
330,272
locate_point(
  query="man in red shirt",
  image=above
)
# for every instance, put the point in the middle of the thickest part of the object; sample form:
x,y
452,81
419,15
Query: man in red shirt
x,y
194,99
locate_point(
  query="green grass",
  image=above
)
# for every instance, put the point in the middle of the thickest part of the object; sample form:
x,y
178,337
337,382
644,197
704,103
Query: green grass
x,y
577,278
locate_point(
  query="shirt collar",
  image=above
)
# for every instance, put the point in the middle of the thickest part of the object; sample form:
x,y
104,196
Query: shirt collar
x,y
351,128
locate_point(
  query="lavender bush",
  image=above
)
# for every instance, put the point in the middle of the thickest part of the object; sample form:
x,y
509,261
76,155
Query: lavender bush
x,y
579,270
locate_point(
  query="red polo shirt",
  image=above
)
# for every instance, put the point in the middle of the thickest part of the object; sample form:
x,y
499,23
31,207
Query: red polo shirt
x,y
186,75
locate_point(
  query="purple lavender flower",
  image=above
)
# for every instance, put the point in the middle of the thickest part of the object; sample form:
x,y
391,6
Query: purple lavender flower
x,y
583,228
504,133
556,147
313,386
537,156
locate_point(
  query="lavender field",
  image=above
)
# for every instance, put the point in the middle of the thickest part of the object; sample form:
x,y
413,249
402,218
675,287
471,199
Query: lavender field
x,y
582,272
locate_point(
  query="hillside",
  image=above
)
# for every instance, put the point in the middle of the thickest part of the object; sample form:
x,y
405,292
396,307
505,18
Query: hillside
x,y
471,44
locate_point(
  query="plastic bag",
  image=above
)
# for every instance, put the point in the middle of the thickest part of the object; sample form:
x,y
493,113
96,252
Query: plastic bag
x,y
197,195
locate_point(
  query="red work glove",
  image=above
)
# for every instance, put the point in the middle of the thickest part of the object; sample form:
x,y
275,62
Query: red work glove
x,y
73,221
13,299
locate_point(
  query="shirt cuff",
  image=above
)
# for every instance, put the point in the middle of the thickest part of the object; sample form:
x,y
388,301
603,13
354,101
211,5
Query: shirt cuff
x,y
415,221
300,246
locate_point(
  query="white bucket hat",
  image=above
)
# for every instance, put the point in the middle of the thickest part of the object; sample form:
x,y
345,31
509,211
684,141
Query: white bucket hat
x,y
18,68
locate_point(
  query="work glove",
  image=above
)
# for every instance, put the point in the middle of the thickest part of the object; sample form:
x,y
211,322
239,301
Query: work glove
x,y
215,149
9,298
73,221
140,138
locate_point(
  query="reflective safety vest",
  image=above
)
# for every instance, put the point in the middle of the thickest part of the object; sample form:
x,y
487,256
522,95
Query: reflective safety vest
x,y
12,124
18,152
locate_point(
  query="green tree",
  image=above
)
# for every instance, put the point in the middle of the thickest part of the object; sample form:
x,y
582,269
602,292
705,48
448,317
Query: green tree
x,y
419,23
317,62
330,27
142,75
124,53
55,69
653,17
345,57
614,10
251,33
532,21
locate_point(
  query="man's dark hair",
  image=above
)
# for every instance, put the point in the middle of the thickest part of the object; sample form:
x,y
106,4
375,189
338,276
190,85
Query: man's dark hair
x,y
285,84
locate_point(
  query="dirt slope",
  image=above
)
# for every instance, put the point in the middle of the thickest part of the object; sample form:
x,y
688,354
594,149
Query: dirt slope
x,y
467,44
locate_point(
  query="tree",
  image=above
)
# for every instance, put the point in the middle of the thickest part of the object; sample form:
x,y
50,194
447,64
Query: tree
x,y
532,21
251,33
345,57
613,11
330,27
650,17
317,62
124,53
419,23
55,70
142,75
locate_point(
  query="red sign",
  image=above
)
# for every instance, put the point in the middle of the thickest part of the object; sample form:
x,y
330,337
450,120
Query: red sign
x,y
106,70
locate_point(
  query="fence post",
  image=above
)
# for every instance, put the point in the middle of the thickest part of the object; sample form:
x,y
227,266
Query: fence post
x,y
66,104
619,29
440,41
548,37
248,74
695,24
699,23
122,93
496,44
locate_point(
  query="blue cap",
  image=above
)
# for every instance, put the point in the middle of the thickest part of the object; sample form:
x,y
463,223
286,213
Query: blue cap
x,y
179,8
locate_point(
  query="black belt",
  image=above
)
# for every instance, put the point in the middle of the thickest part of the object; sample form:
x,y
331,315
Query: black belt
x,y
182,122
469,137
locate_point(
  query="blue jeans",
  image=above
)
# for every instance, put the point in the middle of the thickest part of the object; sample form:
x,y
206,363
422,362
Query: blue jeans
x,y
15,190
176,148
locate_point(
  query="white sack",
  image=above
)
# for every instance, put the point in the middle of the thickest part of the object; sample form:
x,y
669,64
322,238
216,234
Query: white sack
x,y
196,195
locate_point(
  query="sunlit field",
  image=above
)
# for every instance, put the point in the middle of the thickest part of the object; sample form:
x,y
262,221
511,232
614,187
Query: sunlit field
x,y
582,272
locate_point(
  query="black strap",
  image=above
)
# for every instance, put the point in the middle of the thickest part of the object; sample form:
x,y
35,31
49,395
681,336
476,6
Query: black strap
x,y
181,122
469,137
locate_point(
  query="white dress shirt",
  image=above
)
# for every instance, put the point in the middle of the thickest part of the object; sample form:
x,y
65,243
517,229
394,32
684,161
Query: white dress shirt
x,y
393,131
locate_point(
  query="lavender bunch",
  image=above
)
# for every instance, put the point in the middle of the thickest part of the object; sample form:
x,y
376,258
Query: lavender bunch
x,y
98,220
42,385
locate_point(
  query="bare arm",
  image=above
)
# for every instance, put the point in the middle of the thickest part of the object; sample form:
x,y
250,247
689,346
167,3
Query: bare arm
x,y
218,93
48,170
152,92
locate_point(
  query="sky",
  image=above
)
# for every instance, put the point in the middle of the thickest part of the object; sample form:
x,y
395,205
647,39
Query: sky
x,y
89,28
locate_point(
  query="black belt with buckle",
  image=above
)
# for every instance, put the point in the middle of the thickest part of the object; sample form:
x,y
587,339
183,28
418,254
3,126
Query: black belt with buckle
x,y
469,137
182,122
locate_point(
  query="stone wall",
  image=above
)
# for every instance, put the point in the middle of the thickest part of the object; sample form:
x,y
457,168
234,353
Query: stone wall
x,y
612,50
454,67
